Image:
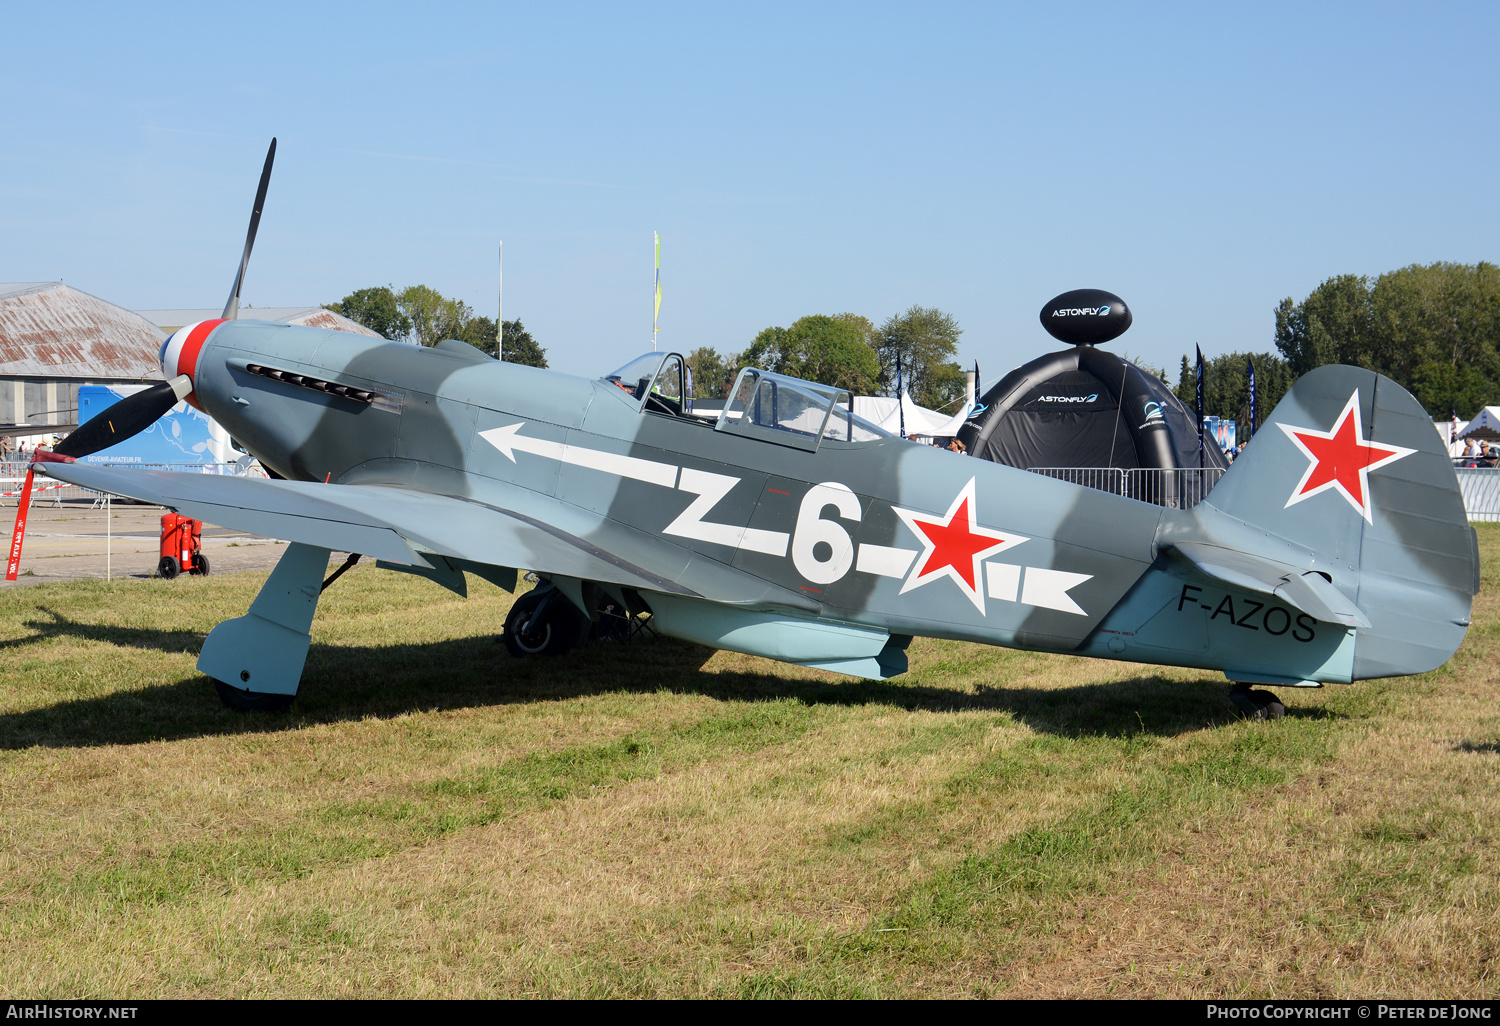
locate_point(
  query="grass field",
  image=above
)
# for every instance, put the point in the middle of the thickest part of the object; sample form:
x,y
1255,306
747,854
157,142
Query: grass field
x,y
433,818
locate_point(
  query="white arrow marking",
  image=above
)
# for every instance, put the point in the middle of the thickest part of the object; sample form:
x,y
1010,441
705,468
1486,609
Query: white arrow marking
x,y
710,488
508,441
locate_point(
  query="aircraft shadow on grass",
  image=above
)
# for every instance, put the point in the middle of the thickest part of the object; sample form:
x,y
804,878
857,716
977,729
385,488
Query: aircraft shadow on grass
x,y
353,683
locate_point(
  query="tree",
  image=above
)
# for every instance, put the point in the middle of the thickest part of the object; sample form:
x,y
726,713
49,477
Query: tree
x,y
766,351
828,350
479,332
376,309
433,316
947,384
926,340
425,316
861,325
1439,327
520,347
1226,386
713,374
1332,325
1435,329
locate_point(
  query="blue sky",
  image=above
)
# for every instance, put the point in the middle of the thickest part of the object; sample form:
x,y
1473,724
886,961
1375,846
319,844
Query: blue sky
x,y
1201,160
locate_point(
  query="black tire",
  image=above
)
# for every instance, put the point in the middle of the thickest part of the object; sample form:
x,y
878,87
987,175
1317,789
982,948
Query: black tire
x,y
241,700
1255,704
168,567
551,633
200,564
1269,703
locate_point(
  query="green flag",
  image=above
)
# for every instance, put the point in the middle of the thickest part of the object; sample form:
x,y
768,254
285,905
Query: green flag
x,y
656,313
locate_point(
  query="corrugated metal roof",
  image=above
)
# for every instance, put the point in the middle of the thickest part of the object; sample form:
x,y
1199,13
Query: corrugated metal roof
x,y
52,330
312,316
15,288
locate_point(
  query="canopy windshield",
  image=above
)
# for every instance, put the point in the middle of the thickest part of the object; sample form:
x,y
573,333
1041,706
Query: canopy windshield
x,y
636,376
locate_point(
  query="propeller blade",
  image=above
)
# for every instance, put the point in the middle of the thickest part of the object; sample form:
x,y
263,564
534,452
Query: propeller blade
x,y
232,308
130,416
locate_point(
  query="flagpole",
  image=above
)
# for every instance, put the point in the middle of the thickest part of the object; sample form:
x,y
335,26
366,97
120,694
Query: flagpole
x,y
900,406
1200,407
500,309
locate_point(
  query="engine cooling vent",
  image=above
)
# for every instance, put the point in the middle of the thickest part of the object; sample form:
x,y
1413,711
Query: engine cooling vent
x,y
359,395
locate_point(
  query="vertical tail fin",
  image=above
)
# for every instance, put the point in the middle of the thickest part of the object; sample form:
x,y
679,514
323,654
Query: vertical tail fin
x,y
1348,478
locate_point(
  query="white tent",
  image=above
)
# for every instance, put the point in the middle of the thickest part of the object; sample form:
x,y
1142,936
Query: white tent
x,y
1485,426
920,421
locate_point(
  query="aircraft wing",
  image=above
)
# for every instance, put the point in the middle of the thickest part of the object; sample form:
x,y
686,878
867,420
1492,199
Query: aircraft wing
x,y
398,525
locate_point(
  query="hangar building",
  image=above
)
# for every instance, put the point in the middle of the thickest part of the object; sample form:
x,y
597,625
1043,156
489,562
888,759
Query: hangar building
x,y
54,338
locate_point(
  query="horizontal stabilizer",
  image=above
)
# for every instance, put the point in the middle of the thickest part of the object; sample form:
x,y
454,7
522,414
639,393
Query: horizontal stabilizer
x,y
1308,591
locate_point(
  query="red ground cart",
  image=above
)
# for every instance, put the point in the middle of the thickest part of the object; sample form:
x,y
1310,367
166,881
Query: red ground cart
x,y
181,546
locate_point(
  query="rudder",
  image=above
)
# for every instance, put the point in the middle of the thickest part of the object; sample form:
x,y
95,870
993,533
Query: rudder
x,y
1349,479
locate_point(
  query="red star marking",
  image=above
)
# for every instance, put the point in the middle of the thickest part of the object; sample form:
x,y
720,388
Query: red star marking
x,y
954,545
1341,459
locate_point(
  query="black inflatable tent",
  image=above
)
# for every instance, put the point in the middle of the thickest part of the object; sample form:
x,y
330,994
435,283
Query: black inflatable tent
x,y
1084,407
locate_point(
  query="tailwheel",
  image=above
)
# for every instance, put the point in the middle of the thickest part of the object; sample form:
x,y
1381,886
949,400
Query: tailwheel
x,y
241,700
542,622
168,567
1255,704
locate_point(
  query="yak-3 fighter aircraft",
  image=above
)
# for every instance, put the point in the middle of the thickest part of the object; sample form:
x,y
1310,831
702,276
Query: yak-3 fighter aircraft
x,y
1335,549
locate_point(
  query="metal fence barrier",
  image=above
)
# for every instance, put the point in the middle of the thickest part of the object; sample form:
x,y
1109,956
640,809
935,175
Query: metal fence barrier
x,y
45,489
1105,479
1481,491
1176,489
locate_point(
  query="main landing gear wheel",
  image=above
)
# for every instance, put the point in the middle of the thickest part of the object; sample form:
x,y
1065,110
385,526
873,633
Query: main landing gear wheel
x,y
168,567
542,622
241,700
1255,704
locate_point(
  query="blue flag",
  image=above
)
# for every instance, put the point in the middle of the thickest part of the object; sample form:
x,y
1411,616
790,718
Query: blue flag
x,y
1250,365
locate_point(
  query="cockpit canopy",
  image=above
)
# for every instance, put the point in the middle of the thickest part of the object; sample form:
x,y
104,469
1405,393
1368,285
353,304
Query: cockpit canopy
x,y
770,407
790,411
